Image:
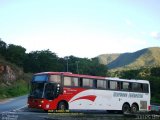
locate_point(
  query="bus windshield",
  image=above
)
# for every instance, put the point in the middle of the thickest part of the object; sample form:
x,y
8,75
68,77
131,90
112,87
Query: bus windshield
x,y
49,92
40,78
44,86
43,90
37,90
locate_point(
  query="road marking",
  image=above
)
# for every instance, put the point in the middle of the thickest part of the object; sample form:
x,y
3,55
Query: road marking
x,y
14,110
19,108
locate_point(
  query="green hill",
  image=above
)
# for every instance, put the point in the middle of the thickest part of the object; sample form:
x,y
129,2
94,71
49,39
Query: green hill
x,y
107,58
148,57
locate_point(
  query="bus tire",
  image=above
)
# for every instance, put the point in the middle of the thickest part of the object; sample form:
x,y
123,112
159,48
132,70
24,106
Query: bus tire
x,y
134,108
62,106
125,108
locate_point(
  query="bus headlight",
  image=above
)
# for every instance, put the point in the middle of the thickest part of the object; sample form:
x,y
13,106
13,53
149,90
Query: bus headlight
x,y
47,106
41,101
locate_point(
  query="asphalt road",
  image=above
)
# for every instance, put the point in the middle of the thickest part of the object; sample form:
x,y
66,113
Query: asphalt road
x,y
13,104
23,115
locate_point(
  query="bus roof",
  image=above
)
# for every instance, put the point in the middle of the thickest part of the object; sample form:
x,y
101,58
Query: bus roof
x,y
127,80
91,77
71,74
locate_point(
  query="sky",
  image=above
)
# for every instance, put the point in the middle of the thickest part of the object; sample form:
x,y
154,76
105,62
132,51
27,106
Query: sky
x,y
83,28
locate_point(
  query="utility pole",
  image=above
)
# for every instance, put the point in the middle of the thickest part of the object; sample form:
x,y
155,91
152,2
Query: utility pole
x,y
66,58
77,67
67,64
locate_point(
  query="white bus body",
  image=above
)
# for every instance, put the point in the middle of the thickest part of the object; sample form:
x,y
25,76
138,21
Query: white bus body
x,y
112,99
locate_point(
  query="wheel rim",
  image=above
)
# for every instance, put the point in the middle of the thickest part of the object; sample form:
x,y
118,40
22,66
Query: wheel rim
x,y
62,107
134,109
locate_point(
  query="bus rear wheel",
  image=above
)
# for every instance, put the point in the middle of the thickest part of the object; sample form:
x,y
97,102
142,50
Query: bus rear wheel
x,y
134,108
126,108
62,106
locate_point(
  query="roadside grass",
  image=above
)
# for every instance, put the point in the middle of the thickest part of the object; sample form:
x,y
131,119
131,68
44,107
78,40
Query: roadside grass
x,y
155,100
19,87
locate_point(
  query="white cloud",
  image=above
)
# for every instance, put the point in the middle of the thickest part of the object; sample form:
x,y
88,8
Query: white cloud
x,y
155,35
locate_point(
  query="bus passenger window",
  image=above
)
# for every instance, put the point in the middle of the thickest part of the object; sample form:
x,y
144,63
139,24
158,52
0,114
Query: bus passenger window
x,y
75,81
125,86
145,88
87,82
101,84
55,78
67,81
113,85
136,87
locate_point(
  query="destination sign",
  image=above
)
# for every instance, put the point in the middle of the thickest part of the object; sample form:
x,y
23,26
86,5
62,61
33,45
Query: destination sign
x,y
129,95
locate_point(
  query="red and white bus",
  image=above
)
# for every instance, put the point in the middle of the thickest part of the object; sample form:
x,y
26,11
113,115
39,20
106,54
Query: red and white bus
x,y
67,91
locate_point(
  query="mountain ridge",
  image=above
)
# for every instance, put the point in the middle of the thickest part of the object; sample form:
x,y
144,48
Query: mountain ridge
x,y
147,57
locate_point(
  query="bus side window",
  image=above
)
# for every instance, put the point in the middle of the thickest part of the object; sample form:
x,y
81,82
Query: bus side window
x,y
67,81
101,84
145,88
125,86
137,87
91,83
75,81
113,85
87,82
55,78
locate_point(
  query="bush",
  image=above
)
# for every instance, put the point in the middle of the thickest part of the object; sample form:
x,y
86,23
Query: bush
x,y
19,87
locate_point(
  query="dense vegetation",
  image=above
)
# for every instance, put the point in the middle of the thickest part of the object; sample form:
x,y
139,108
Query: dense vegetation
x,y
45,60
17,88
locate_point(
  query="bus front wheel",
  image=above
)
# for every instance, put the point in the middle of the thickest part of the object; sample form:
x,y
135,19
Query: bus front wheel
x,y
62,106
126,108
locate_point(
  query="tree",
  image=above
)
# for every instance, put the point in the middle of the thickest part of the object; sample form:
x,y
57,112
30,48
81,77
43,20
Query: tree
x,y
85,66
40,61
155,72
3,47
130,74
15,54
97,69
